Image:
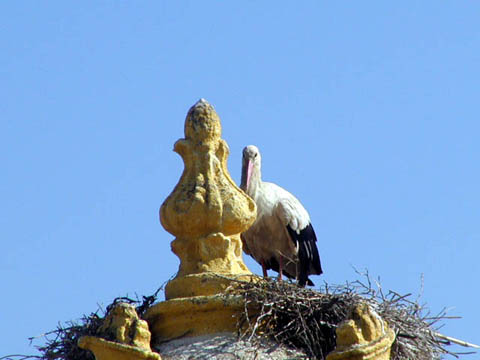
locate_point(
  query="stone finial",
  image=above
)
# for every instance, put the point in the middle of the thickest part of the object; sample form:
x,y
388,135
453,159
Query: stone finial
x,y
364,336
206,211
122,336
123,325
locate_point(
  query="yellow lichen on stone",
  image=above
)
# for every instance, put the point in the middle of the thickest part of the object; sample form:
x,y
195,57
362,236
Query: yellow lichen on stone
x,y
109,350
198,315
206,211
206,200
364,336
128,336
123,325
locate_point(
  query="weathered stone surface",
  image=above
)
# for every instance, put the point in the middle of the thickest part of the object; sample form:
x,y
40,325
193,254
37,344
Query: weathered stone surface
x,y
206,200
364,337
198,315
123,325
130,335
206,211
225,347
109,350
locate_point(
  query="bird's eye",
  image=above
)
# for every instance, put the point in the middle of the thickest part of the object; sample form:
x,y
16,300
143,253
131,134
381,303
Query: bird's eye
x,y
255,155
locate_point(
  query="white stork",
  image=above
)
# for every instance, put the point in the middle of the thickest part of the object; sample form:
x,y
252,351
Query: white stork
x,y
282,237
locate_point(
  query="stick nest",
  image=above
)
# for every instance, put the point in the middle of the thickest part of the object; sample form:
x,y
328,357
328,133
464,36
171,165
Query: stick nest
x,y
307,319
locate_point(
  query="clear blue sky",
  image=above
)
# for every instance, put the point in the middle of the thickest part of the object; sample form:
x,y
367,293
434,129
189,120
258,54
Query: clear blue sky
x,y
367,111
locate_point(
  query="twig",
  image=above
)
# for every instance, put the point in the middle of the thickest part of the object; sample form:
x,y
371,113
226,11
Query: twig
x,y
456,341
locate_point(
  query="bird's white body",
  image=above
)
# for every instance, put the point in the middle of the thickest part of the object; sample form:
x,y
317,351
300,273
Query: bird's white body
x,y
282,237
268,237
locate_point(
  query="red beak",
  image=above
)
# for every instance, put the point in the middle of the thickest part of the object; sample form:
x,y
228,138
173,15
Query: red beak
x,y
249,172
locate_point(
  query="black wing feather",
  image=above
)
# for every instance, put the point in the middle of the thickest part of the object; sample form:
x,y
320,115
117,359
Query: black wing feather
x,y
309,260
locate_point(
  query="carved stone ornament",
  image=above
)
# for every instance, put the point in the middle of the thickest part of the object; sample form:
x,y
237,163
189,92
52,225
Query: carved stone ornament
x,y
364,336
123,336
206,211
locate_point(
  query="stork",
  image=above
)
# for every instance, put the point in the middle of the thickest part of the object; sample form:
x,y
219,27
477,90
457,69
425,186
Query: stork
x,y
282,237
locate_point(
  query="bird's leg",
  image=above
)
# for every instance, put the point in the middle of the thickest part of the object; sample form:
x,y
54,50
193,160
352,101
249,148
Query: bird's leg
x,y
264,269
280,268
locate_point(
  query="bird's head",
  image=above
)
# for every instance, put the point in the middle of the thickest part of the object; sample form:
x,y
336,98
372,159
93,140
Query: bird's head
x,y
251,163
